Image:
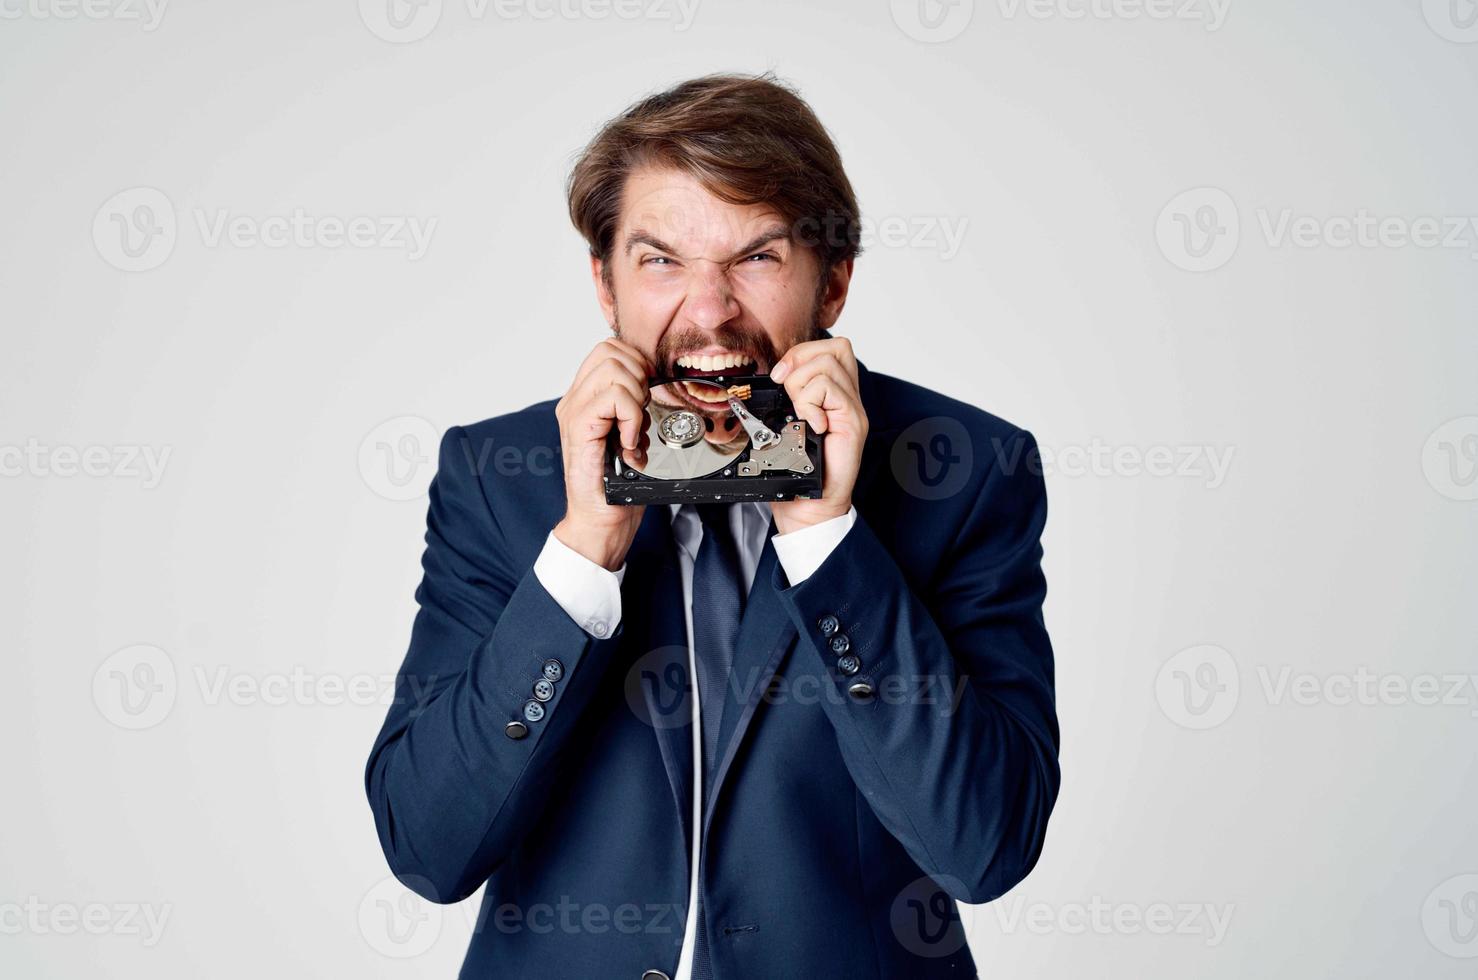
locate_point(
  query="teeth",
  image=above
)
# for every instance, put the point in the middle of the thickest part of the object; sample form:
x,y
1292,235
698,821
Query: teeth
x,y
707,393
713,362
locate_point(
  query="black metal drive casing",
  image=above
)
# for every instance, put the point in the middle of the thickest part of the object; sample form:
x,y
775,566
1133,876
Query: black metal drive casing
x,y
769,403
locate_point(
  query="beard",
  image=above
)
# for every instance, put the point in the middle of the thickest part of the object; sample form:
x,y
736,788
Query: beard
x,y
697,395
752,341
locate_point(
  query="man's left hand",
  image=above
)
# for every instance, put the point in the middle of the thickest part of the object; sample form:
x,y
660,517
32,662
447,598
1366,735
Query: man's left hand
x,y
820,376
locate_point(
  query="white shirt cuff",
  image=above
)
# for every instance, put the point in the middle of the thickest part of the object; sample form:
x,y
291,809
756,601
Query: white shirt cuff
x,y
802,552
590,594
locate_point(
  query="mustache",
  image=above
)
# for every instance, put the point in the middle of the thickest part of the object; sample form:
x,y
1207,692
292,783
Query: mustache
x,y
755,343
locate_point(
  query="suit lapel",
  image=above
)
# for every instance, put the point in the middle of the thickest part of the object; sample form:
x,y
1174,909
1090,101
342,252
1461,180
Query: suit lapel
x,y
765,634
652,592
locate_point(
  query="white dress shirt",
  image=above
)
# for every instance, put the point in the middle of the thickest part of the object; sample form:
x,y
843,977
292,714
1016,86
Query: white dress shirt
x,y
591,596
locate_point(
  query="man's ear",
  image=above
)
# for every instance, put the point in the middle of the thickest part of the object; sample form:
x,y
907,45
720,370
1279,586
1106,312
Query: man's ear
x,y
603,294
834,296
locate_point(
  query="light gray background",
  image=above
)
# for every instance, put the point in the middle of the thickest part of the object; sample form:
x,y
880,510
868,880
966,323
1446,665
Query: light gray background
x,y
1332,836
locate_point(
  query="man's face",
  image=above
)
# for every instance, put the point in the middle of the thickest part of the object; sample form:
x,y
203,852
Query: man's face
x,y
704,287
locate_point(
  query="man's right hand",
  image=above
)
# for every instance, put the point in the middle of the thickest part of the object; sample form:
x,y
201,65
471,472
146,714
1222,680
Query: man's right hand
x,y
609,391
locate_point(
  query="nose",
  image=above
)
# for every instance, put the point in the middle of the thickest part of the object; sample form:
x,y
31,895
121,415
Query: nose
x,y
710,302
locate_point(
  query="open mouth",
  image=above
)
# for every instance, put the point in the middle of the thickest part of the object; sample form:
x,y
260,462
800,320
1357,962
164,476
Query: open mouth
x,y
713,365
702,367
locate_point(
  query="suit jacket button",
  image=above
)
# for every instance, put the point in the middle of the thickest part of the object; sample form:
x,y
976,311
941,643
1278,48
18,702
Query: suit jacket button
x,y
533,710
849,664
861,691
515,730
840,644
828,624
655,975
543,690
553,670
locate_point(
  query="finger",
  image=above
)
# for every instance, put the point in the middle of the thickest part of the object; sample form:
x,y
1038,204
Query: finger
x,y
611,349
639,455
614,372
643,363
605,353
840,406
591,401
823,365
810,403
838,347
794,358
616,404
619,399
633,422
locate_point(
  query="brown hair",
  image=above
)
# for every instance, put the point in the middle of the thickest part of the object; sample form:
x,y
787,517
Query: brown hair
x,y
746,139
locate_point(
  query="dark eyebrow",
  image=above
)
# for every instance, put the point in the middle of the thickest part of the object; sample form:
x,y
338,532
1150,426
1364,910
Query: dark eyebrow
x,y
762,239
642,238
759,241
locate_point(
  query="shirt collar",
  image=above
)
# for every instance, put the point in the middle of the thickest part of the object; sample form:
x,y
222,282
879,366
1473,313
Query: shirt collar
x,y
752,509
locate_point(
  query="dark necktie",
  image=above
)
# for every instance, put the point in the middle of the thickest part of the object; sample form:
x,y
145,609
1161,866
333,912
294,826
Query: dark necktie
x,y
718,602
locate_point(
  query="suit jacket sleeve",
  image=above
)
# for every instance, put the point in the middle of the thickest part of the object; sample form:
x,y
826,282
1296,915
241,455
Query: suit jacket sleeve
x,y
956,753
451,792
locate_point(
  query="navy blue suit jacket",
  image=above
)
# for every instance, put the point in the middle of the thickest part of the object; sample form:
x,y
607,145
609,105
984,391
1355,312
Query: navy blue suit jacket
x,y
840,827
